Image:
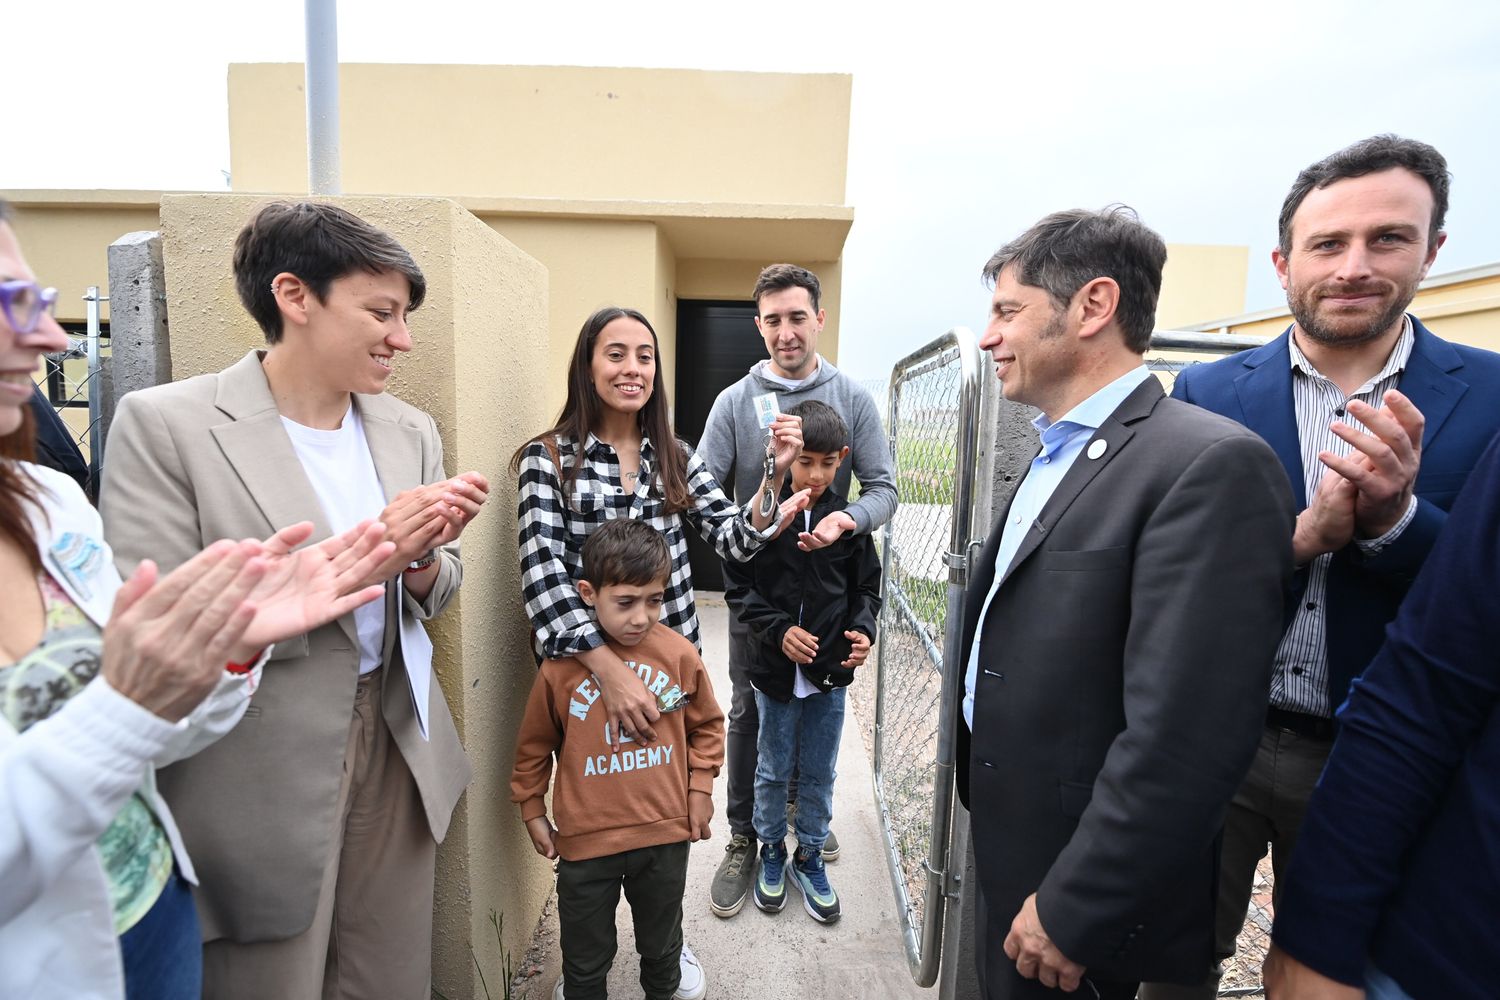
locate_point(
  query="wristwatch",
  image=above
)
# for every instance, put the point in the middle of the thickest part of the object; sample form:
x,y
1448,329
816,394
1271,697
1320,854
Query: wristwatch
x,y
422,562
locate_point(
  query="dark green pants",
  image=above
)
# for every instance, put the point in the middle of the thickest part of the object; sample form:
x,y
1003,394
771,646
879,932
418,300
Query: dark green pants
x,y
588,893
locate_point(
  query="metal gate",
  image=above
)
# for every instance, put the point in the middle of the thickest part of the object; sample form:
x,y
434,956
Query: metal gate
x,y
934,423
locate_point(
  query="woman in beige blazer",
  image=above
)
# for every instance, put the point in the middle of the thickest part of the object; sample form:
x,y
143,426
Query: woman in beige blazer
x,y
314,823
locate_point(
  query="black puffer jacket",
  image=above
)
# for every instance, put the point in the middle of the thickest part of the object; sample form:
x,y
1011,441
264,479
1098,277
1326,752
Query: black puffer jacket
x,y
828,592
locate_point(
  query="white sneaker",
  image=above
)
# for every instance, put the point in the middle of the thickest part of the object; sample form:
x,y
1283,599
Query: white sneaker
x,y
694,985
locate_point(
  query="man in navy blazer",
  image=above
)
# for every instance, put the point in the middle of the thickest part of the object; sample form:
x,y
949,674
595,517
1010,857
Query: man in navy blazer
x,y
1378,423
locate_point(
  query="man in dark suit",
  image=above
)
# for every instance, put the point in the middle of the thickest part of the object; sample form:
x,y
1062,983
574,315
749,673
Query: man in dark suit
x,y
1117,631
1377,423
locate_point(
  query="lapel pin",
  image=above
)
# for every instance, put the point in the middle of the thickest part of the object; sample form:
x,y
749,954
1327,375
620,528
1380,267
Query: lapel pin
x,y
1096,447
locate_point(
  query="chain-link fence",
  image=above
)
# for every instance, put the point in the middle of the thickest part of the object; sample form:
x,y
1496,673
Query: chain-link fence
x,y
933,402
73,382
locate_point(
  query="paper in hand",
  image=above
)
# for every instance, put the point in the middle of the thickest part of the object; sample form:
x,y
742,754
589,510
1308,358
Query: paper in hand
x,y
765,409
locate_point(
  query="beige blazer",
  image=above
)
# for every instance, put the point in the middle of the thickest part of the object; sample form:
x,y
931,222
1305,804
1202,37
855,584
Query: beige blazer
x,y
207,458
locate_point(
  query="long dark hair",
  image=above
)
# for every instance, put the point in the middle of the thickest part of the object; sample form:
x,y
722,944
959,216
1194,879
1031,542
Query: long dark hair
x,y
583,410
17,490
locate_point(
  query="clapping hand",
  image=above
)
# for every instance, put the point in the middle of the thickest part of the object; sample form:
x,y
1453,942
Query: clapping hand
x,y
424,517
1383,466
302,589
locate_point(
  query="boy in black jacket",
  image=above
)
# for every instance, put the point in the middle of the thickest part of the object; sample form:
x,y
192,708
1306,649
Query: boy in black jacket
x,y
813,617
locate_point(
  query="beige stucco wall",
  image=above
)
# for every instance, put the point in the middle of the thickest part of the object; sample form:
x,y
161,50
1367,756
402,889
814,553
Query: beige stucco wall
x,y
592,263
66,239
551,132
1201,280
473,362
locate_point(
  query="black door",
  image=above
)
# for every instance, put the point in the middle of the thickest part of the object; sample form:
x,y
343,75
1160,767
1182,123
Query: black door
x,y
717,342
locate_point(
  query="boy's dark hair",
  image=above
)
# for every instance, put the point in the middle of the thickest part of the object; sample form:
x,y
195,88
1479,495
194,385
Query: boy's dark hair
x,y
778,277
1066,250
1371,156
626,551
823,430
320,244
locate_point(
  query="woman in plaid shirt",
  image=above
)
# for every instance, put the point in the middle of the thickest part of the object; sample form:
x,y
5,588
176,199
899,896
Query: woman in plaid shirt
x,y
601,461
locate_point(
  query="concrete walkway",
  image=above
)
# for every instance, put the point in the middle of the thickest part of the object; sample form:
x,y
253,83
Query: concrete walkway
x,y
784,956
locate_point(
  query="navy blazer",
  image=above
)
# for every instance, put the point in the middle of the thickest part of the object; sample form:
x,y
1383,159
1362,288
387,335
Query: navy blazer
x,y
1396,862
1456,387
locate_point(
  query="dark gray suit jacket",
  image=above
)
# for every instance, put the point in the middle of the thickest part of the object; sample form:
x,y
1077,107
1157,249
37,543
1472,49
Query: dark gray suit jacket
x,y
1124,667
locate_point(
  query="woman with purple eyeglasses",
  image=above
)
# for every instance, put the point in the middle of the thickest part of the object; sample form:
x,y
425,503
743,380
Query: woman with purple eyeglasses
x,y
102,681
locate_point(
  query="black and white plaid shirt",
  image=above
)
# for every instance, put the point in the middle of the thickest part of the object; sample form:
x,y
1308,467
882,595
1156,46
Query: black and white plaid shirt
x,y
551,528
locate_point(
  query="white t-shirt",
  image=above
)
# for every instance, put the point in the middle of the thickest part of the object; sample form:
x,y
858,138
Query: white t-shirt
x,y
802,687
342,473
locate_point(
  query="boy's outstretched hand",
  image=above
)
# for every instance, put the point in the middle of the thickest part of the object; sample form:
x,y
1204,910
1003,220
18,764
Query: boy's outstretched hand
x,y
859,649
700,811
542,835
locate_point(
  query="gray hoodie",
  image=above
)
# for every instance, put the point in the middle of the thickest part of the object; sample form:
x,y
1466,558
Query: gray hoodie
x,y
734,443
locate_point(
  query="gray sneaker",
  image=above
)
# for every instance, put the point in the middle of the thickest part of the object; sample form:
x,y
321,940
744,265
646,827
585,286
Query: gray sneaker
x,y
830,846
731,882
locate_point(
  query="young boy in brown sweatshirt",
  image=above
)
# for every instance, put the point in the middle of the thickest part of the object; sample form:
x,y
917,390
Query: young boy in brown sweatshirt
x,y
624,818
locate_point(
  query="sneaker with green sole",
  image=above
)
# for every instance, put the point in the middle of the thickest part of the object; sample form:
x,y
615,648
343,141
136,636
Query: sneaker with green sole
x,y
770,885
809,876
731,884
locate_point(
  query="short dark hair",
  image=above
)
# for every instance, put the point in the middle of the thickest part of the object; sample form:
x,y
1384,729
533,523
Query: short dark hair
x,y
1066,250
823,430
320,244
778,277
623,550
1371,156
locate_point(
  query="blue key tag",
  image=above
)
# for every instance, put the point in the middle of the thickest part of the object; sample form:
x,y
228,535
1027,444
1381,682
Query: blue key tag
x,y
78,558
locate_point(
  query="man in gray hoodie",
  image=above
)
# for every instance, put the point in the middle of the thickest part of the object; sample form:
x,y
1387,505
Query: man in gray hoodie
x,y
734,446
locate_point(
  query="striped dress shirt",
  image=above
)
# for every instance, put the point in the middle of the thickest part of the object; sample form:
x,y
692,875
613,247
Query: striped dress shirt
x,y
1299,681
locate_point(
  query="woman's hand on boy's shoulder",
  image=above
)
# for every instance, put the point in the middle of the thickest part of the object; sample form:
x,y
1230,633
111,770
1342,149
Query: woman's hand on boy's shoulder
x,y
543,837
700,812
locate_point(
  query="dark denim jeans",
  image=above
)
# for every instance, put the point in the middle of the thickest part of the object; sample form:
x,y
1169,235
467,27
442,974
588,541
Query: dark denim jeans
x,y
588,894
163,953
801,735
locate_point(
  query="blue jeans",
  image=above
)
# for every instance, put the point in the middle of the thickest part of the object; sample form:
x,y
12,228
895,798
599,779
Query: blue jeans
x,y
1379,986
802,734
163,953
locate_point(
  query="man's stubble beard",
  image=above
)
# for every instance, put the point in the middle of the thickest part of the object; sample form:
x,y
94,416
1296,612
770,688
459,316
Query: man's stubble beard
x,y
1304,304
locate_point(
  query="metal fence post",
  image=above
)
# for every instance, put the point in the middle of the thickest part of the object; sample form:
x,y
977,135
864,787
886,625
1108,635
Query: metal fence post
x,y
96,395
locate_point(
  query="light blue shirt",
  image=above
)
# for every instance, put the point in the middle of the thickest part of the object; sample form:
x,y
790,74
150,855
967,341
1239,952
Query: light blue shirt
x,y
1061,444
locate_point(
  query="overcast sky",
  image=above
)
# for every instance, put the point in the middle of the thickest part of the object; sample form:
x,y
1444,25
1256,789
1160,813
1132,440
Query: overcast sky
x,y
969,121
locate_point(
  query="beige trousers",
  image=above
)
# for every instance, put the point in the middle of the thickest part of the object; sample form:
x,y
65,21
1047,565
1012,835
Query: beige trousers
x,y
371,935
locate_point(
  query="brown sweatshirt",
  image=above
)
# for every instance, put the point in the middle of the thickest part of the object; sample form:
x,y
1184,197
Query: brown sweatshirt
x,y
607,802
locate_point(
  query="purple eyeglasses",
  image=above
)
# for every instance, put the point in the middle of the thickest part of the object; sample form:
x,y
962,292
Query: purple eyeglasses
x,y
24,303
